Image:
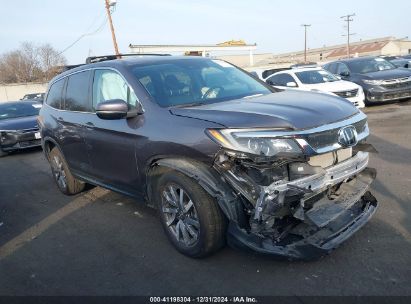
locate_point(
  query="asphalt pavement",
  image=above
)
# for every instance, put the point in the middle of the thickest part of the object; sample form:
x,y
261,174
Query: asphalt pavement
x,y
103,243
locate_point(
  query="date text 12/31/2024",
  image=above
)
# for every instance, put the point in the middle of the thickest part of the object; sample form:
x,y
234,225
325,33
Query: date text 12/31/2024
x,y
236,299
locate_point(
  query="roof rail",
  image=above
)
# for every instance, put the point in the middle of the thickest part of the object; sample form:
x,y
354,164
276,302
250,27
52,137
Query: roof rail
x,y
95,59
69,67
304,65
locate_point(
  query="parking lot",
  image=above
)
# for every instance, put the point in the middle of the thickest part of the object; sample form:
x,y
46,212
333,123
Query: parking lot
x,y
103,243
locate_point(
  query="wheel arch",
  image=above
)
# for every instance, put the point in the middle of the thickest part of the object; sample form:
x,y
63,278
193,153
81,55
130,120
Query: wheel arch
x,y
48,145
207,178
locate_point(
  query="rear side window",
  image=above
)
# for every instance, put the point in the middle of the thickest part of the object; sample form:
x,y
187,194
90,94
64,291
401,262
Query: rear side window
x,y
109,85
77,93
281,79
54,94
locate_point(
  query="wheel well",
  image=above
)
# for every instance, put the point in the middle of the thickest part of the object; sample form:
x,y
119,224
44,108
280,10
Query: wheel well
x,y
48,146
207,178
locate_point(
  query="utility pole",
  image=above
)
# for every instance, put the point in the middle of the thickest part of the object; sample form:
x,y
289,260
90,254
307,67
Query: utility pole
x,y
113,34
305,41
348,19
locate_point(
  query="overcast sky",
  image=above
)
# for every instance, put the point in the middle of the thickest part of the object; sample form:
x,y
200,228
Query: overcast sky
x,y
274,25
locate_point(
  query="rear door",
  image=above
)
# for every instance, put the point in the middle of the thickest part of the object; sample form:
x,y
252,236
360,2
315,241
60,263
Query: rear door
x,y
76,110
112,142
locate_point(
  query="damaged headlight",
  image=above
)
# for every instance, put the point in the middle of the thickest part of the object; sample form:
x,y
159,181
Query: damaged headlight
x,y
253,142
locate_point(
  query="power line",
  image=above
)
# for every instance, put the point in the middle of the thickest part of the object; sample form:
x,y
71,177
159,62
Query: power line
x,y
87,34
348,19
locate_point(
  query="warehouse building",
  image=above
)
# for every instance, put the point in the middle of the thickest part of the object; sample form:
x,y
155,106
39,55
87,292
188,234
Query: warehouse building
x,y
388,46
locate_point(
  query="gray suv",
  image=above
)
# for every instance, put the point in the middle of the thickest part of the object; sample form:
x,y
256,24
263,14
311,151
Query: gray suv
x,y
222,156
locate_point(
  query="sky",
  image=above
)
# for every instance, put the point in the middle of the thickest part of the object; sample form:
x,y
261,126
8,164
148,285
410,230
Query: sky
x,y
274,25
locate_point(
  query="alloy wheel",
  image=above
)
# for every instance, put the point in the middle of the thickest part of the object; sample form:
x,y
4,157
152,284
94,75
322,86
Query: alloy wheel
x,y
59,173
180,214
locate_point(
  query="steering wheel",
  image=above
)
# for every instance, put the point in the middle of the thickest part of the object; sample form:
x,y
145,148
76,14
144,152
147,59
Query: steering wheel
x,y
216,90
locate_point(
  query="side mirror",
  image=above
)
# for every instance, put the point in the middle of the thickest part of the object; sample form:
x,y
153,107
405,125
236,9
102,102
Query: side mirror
x,y
291,84
270,82
345,74
112,109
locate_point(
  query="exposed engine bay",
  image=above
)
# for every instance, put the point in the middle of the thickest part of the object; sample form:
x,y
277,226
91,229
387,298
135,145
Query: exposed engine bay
x,y
301,201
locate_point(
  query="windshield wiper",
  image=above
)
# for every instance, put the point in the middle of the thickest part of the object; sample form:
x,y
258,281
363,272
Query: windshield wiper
x,y
193,104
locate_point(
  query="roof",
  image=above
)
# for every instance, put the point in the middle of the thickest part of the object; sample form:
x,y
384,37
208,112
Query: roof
x,y
360,48
358,59
296,70
128,61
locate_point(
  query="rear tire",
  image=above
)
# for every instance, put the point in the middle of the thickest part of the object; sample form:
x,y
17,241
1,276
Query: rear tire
x,y
191,218
66,182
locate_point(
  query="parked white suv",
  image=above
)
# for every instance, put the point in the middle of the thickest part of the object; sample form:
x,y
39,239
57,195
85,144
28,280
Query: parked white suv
x,y
318,80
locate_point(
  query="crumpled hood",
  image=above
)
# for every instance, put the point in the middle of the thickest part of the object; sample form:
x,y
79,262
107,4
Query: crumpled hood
x,y
20,123
286,109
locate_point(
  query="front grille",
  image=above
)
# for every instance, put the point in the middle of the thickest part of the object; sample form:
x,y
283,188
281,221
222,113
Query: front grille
x,y
330,137
399,83
347,94
28,130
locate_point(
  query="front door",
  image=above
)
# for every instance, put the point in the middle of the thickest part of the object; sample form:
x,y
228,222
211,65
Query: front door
x,y
112,143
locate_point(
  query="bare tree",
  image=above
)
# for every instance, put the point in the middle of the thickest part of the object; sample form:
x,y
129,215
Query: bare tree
x,y
50,60
30,63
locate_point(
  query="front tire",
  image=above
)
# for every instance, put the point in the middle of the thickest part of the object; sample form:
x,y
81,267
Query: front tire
x,y
190,217
66,182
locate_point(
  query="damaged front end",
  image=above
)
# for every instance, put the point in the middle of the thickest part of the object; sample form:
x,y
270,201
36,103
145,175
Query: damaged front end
x,y
302,193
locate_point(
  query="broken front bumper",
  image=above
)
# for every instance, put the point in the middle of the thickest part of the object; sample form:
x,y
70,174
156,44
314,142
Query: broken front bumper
x,y
326,223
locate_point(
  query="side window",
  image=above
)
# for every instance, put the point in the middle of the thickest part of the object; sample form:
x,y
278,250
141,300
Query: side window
x,y
331,67
342,68
108,85
273,80
77,92
54,94
281,79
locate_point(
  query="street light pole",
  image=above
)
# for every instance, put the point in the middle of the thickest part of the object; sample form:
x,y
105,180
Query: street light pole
x,y
305,41
113,34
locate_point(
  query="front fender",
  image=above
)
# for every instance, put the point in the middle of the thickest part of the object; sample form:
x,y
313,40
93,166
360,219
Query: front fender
x,y
211,182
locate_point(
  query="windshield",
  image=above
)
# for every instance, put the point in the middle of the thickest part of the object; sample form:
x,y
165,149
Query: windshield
x,y
370,65
18,109
315,76
196,81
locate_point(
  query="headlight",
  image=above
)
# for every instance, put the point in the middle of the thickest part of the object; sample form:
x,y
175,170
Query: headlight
x,y
253,142
373,82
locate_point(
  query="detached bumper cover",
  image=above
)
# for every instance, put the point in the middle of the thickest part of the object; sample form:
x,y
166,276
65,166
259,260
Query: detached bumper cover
x,y
325,226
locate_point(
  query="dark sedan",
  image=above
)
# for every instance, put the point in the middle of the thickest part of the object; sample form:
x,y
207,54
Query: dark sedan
x,y
380,79
402,62
18,126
